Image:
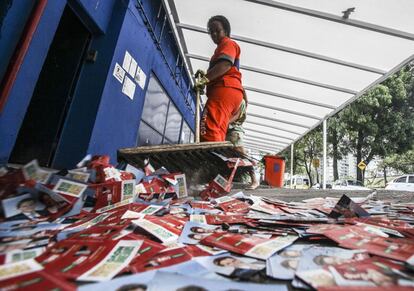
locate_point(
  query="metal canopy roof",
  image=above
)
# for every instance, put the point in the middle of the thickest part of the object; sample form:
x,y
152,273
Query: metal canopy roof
x,y
302,60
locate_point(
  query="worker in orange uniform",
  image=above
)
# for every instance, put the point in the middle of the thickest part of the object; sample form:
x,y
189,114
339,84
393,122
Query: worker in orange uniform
x,y
225,109
223,80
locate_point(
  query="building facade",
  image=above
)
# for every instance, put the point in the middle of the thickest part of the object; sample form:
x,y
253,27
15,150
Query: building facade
x,y
89,77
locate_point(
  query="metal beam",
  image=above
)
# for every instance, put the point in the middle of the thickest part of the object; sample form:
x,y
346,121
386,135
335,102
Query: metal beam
x,y
171,11
264,143
325,140
267,133
272,140
267,142
286,110
279,120
264,147
271,126
291,164
289,50
266,92
282,76
257,150
336,18
373,84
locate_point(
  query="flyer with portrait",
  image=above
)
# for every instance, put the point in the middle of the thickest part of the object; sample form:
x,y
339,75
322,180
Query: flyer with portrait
x,y
127,189
283,265
114,262
193,232
249,245
229,204
163,259
70,188
160,232
229,265
174,223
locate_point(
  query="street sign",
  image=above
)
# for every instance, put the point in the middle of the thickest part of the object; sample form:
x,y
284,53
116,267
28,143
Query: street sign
x,y
315,163
362,165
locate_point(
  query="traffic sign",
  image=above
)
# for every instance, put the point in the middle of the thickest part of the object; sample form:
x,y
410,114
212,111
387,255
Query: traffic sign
x,y
362,165
315,163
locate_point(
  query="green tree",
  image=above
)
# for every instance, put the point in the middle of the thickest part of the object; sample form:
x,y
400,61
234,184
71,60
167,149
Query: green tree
x,y
381,122
401,162
336,134
308,148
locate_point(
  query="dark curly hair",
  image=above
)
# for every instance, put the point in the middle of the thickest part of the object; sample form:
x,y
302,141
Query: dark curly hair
x,y
223,20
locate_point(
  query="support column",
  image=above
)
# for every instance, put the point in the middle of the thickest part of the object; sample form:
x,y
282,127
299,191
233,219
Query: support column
x,y
291,165
324,154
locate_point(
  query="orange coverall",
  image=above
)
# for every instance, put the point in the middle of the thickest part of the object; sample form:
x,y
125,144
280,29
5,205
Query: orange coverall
x,y
224,94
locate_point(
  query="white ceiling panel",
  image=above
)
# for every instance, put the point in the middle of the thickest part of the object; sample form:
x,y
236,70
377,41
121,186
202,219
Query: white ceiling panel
x,y
302,60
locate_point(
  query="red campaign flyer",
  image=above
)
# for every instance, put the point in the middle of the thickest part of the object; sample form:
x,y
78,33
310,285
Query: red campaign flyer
x,y
121,205
396,249
202,205
368,272
106,193
353,237
322,228
267,208
252,246
394,227
37,281
347,208
113,263
172,223
409,232
147,250
158,186
385,222
99,233
163,259
159,231
365,288
228,204
230,219
198,251
70,260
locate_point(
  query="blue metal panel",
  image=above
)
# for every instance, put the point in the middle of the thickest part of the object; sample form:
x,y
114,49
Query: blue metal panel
x,y
76,134
101,118
11,28
118,116
95,14
13,113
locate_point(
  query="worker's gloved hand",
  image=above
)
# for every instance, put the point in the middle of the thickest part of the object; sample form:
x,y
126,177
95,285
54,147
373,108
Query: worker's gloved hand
x,y
201,81
199,73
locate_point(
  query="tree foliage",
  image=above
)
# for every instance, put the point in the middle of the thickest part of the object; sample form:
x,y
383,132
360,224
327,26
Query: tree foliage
x,y
381,122
307,149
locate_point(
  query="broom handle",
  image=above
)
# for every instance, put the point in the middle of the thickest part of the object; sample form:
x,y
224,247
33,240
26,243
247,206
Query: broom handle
x,y
197,119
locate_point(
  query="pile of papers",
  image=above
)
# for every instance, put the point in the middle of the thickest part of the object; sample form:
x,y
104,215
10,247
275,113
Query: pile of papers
x,y
98,227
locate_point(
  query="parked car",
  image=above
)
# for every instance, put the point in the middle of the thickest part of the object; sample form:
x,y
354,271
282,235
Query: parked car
x,y
402,183
298,182
349,184
319,185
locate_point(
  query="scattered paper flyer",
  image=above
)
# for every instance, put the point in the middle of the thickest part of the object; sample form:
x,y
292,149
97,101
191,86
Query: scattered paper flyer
x,y
19,268
32,171
156,230
114,262
70,188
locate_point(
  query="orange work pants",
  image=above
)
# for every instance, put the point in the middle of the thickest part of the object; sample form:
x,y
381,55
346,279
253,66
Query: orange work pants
x,y
222,104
